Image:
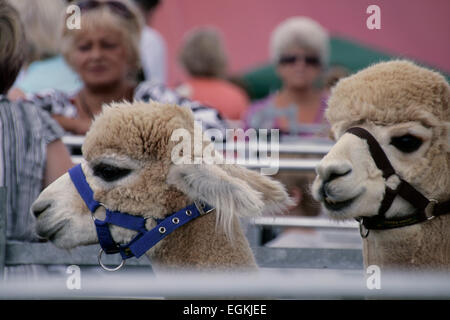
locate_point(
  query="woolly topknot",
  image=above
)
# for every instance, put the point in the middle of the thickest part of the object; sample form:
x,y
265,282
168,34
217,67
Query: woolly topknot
x,y
391,92
140,130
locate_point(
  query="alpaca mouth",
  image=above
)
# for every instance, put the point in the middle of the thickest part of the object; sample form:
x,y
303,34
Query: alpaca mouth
x,y
48,233
332,205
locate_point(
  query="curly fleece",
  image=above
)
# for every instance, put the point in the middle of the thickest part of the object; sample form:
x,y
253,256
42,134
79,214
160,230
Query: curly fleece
x,y
394,92
141,132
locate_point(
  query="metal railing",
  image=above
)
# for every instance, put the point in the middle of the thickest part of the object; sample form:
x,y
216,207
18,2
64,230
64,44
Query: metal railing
x,y
21,253
316,147
300,165
17,253
25,253
246,153
279,221
265,284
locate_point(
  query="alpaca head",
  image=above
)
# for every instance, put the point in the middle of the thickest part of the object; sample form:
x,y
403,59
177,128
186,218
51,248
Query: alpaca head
x,y
406,108
128,164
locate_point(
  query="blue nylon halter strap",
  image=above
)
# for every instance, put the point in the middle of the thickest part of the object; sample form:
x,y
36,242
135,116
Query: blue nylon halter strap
x,y
145,239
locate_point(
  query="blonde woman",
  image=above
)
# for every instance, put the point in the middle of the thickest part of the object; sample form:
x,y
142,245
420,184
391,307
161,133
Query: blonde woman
x,y
105,54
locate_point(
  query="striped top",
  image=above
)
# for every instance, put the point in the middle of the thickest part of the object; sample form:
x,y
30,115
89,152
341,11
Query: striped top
x,y
25,131
60,103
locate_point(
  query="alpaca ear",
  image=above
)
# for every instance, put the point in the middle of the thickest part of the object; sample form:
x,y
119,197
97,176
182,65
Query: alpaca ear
x,y
230,195
274,194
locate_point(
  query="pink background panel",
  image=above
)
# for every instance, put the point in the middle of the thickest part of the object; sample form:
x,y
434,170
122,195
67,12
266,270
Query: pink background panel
x,y
417,29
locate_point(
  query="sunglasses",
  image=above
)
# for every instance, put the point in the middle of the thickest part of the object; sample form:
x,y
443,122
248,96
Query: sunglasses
x,y
291,59
115,6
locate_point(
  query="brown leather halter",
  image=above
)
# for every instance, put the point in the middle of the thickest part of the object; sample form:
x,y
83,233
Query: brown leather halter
x,y
426,209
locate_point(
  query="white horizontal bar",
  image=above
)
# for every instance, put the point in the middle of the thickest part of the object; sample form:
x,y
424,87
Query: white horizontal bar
x,y
284,147
282,164
303,222
76,141
266,284
301,147
77,159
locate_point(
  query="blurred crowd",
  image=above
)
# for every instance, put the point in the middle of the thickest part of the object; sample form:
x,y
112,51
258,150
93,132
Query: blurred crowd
x,y
71,72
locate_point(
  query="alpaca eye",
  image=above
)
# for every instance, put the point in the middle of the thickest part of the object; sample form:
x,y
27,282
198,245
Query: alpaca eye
x,y
110,173
407,143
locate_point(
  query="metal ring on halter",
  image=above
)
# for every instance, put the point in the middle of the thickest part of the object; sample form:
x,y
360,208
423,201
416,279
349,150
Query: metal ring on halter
x,y
363,231
429,209
100,253
93,213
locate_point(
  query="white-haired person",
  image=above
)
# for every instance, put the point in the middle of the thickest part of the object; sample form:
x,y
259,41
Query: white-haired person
x,y
32,154
104,52
299,48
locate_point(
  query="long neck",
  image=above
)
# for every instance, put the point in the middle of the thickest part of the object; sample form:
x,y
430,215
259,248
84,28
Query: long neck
x,y
198,245
419,247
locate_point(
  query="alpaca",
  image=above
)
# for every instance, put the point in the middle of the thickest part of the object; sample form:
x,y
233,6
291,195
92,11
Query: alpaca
x,y
406,109
128,165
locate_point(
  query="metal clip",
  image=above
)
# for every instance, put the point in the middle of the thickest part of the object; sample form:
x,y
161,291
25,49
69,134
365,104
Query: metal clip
x,y
430,208
363,231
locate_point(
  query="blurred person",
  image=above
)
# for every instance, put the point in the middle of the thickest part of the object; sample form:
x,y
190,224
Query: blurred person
x,y
105,54
299,47
305,206
32,154
153,47
204,58
332,76
298,187
44,67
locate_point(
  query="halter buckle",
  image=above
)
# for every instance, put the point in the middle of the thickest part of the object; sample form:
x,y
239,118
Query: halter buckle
x,y
430,208
201,206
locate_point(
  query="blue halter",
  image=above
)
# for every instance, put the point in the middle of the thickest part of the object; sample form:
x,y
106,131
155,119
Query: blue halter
x,y
145,239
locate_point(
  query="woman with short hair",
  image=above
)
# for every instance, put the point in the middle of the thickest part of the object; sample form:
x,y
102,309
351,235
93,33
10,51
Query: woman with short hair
x,y
299,48
105,54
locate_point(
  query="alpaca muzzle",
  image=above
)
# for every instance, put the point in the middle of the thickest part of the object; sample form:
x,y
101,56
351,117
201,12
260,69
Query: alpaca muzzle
x,y
426,209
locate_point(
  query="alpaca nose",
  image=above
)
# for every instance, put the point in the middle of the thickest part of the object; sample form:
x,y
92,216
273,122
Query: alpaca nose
x,y
40,206
331,171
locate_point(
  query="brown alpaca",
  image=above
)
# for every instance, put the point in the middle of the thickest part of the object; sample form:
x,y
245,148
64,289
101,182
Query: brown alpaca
x,y
136,138
406,108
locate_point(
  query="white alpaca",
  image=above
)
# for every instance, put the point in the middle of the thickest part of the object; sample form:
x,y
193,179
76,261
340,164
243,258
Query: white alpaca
x,y
406,109
128,166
